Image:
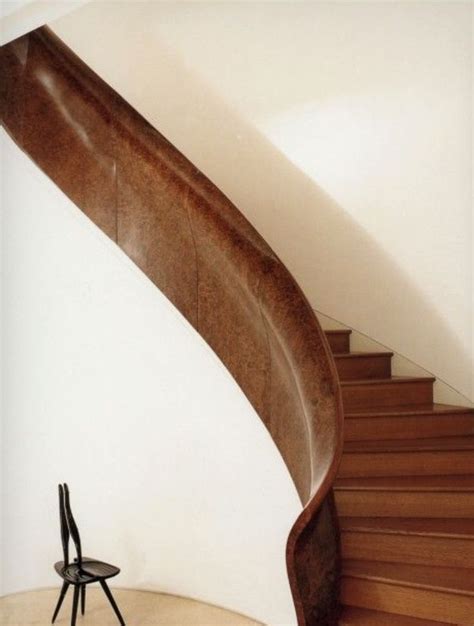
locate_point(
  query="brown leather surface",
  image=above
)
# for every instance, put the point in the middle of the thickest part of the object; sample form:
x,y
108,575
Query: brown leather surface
x,y
210,262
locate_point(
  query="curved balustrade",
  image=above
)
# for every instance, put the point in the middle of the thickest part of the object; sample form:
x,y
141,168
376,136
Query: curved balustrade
x,y
210,262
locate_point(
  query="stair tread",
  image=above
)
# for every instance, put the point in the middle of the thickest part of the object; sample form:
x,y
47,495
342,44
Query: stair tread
x,y
447,579
354,616
407,483
410,409
356,355
463,442
385,381
338,331
438,527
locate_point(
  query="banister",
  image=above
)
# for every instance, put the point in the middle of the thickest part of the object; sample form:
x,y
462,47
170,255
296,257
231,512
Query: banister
x,y
209,261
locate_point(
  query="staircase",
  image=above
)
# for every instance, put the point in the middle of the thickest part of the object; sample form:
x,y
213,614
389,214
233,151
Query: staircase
x,y
405,497
405,489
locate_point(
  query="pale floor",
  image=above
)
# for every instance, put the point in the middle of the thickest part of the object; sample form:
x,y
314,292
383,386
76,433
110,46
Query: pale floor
x,y
139,608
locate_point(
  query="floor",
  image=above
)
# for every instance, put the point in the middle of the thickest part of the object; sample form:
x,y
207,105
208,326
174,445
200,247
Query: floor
x,y
139,608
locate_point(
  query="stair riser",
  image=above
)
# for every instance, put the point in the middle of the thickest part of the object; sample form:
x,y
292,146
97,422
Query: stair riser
x,y
387,503
339,343
413,427
357,368
389,394
413,463
393,598
352,616
401,548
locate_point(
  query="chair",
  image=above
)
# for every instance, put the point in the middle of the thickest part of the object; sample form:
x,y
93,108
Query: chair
x,y
83,570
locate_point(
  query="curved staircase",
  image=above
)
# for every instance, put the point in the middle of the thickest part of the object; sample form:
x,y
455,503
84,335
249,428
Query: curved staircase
x,y
405,497
404,493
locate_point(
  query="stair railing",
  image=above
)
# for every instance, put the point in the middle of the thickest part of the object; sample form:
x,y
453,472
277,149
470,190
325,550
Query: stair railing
x,y
210,262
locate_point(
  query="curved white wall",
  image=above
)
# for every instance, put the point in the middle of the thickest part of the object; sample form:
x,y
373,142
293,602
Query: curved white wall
x,y
106,386
18,17
342,130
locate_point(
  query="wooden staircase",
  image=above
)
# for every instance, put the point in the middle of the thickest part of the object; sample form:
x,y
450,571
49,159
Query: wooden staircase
x,y
405,497
405,490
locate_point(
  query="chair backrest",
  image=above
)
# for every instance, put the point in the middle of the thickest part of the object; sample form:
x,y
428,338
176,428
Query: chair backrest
x,y
64,526
68,525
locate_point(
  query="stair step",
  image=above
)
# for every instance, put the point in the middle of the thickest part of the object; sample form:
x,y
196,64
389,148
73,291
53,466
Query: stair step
x,y
363,365
339,340
439,527
365,393
445,542
444,455
408,422
430,443
454,579
353,616
440,593
406,496
408,483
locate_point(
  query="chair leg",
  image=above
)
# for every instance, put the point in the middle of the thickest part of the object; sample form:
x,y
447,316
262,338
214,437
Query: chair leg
x,y
62,595
83,599
110,597
75,602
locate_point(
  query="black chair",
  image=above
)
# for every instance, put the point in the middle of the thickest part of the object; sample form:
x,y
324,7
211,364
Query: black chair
x,y
83,570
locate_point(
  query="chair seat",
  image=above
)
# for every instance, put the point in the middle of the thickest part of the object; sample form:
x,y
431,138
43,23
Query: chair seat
x,y
90,571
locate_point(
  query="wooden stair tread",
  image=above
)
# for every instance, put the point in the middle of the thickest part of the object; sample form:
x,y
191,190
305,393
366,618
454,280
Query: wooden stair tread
x,y
416,555
359,355
385,381
338,331
465,442
435,527
407,483
410,422
354,616
409,409
357,365
448,579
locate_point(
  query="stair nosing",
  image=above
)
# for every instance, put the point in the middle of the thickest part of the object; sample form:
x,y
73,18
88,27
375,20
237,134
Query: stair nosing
x,y
360,355
387,381
428,444
409,410
391,484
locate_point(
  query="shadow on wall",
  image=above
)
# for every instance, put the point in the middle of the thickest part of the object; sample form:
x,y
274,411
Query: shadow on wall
x,y
344,272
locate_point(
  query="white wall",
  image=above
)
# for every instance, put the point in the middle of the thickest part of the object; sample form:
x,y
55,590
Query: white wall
x,y
107,387
18,17
342,130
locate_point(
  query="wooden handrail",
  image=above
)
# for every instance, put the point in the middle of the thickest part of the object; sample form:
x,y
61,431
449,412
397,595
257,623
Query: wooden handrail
x,y
209,261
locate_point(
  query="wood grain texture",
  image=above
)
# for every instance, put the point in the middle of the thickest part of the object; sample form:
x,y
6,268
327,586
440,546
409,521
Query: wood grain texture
x,y
357,365
450,579
408,499
442,593
386,392
453,608
400,423
339,340
80,157
388,542
211,263
444,456
353,616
